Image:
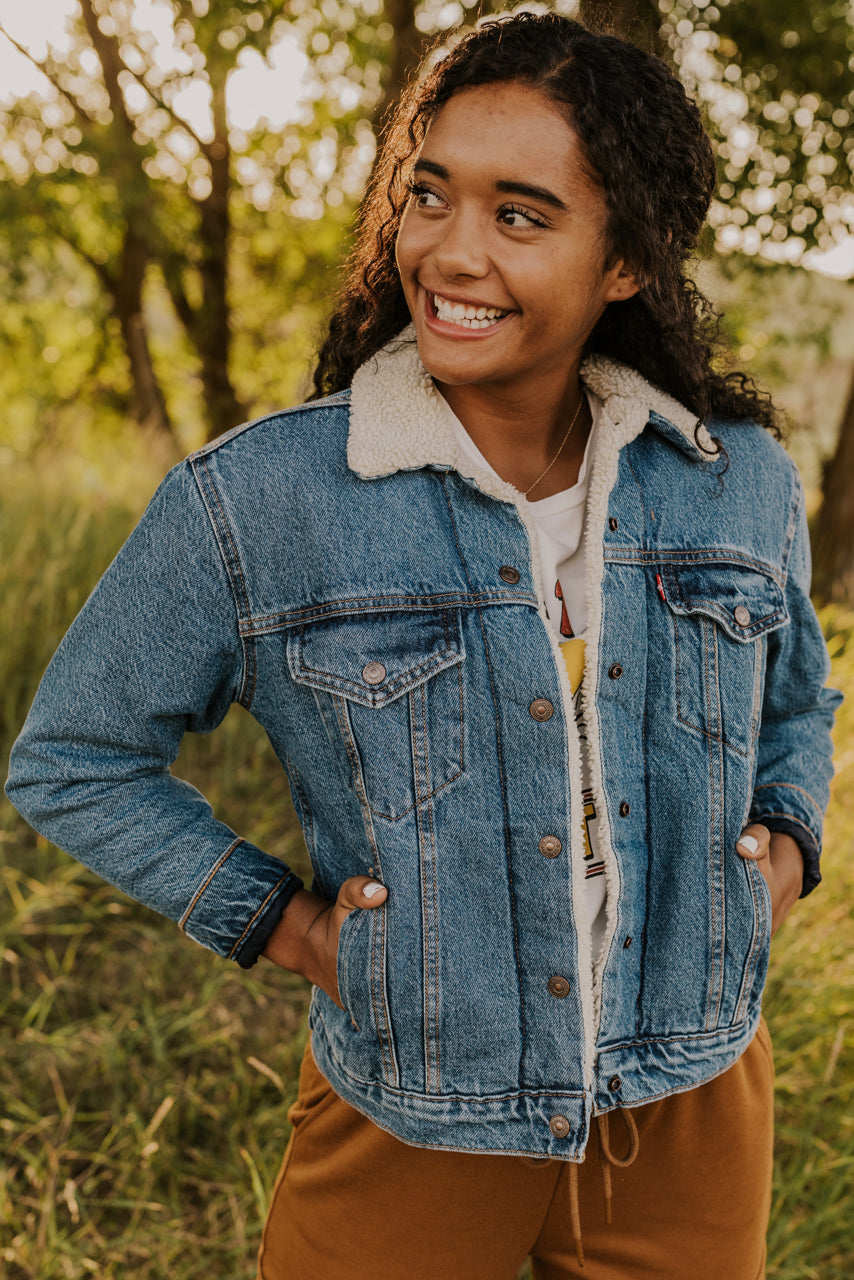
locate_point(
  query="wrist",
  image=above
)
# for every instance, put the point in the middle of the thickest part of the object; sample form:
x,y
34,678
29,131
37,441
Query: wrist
x,y
788,864
289,945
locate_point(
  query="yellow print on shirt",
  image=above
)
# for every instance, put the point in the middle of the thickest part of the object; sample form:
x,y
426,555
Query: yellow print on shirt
x,y
573,656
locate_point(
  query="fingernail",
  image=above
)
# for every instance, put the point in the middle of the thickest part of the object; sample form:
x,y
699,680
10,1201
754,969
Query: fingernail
x,y
750,843
371,890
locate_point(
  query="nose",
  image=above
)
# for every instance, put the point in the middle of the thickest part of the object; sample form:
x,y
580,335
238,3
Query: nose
x,y
459,250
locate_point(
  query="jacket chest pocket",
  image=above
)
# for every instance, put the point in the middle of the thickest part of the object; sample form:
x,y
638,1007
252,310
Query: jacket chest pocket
x,y
390,690
722,615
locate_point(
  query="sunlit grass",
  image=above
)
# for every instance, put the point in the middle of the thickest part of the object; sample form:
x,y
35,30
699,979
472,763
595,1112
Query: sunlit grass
x,y
145,1082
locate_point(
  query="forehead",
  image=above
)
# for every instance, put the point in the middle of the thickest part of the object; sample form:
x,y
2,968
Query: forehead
x,y
496,128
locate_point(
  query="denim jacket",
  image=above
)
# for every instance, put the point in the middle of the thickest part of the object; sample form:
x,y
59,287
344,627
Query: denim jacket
x,y
340,572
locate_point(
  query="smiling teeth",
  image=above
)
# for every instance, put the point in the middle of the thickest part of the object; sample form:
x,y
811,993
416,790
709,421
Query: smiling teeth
x,y
468,317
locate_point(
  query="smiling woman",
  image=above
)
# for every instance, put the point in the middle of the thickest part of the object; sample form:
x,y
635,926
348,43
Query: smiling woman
x,y
501,255
531,653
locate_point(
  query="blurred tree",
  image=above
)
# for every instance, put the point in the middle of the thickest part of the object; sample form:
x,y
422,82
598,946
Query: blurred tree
x,y
776,78
132,152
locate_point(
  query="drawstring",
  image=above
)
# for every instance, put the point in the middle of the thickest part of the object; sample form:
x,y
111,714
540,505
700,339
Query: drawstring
x,y
607,1157
575,1213
606,1160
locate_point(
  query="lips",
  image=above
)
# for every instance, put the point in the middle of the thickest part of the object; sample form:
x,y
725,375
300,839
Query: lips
x,y
467,315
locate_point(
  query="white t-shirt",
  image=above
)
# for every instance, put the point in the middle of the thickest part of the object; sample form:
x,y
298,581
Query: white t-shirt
x,y
560,528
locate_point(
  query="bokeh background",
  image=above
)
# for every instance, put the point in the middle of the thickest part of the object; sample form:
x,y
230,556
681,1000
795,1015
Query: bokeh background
x,y
178,179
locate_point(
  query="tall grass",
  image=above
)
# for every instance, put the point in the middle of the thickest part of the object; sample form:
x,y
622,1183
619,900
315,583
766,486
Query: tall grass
x,y
144,1082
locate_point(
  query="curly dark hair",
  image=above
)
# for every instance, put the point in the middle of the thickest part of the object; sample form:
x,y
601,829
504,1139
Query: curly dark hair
x,y
643,140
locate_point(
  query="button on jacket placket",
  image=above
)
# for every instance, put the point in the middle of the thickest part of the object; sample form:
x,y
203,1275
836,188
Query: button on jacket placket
x,y
590,974
577,824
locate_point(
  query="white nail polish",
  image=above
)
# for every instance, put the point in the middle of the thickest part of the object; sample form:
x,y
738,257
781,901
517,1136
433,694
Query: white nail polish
x,y
749,842
371,890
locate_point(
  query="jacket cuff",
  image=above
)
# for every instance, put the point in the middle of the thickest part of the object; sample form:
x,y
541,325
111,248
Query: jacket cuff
x,y
251,948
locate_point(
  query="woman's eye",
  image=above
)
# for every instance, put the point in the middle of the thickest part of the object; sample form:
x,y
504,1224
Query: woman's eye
x,y
512,216
424,197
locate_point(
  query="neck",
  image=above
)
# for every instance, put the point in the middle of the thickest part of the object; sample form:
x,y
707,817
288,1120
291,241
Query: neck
x,y
521,435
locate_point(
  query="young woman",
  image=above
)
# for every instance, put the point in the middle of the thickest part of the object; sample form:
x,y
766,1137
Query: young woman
x,y
522,603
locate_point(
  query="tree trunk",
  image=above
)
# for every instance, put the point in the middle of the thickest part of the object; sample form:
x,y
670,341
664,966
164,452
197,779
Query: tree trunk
x,y
125,282
148,404
833,543
211,330
407,46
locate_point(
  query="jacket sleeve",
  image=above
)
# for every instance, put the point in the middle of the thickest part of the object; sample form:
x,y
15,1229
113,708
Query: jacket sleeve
x,y
794,753
154,652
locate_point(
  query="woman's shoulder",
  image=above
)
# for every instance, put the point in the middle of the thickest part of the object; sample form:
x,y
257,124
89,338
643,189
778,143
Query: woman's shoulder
x,y
281,429
752,444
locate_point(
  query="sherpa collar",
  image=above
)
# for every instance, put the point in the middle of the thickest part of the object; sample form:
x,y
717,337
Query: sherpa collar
x,y
399,422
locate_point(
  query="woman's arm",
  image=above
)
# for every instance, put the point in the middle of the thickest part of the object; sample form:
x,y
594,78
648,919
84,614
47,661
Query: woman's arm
x,y
794,751
154,652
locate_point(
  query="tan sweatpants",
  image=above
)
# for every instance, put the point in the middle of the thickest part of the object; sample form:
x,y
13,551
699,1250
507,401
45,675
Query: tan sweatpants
x,y
354,1203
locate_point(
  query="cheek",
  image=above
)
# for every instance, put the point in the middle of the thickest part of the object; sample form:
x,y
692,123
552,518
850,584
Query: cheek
x,y
407,249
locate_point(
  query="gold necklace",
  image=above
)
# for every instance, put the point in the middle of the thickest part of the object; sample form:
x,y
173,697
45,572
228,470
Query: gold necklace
x,y
543,474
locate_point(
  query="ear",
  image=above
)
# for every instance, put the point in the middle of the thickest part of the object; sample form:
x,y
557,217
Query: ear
x,y
621,281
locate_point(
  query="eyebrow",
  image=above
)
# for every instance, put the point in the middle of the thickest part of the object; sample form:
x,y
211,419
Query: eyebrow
x,y
503,185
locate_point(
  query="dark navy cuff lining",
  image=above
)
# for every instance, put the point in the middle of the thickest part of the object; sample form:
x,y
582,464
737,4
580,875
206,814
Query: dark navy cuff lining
x,y
806,843
247,954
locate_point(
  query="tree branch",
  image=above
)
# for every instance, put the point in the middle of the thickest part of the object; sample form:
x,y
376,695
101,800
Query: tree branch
x,y
164,106
50,76
111,65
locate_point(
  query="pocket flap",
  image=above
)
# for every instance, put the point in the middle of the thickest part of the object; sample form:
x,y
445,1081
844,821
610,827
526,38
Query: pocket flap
x,y
747,602
375,658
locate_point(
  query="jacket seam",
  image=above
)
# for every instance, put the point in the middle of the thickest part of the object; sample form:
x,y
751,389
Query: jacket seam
x,y
791,786
259,911
794,512
504,805
790,817
222,529
376,604
182,923
663,556
679,1037
333,401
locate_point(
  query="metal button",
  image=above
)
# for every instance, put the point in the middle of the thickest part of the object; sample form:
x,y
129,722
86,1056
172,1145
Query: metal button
x,y
742,615
615,671
559,1126
558,987
541,709
625,809
508,574
550,846
373,673
613,524
615,1084
627,941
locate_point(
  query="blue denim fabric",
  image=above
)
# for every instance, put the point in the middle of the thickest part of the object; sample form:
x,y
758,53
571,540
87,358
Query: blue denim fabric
x,y
266,572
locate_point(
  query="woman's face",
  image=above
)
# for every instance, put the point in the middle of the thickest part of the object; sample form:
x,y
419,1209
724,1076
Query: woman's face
x,y
501,250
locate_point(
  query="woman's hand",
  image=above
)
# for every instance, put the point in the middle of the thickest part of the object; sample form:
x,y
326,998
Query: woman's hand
x,y
306,938
781,863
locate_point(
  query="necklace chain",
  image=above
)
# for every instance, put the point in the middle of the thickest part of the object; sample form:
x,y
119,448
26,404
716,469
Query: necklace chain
x,y
560,448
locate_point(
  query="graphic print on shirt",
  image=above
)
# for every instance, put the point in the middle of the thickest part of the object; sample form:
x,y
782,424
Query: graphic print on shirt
x,y
565,624
573,656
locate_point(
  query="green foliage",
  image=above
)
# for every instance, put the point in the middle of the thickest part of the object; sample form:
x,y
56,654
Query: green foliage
x,y
793,332
777,80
